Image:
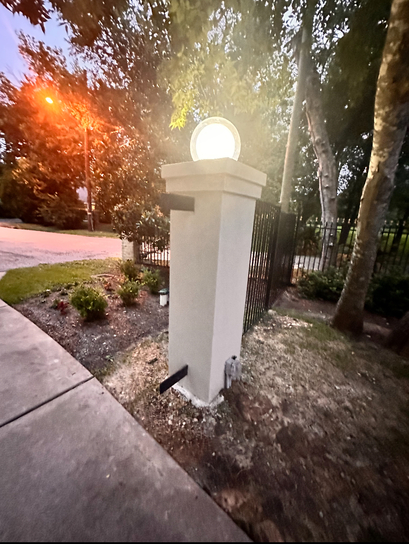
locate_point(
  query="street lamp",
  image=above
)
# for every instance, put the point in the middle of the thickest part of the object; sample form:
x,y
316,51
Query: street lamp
x,y
87,173
88,180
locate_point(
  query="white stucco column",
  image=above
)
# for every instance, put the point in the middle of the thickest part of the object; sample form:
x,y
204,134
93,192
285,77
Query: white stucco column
x,y
210,250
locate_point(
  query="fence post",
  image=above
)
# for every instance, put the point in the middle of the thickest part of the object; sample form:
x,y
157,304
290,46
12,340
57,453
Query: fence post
x,y
274,233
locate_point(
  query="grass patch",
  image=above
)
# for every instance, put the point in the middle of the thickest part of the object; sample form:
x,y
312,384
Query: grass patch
x,y
321,338
401,371
295,314
342,351
336,352
103,372
399,367
22,283
290,349
386,358
104,231
320,330
324,333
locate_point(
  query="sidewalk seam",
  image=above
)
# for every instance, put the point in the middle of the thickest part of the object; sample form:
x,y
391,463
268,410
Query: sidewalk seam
x,y
15,418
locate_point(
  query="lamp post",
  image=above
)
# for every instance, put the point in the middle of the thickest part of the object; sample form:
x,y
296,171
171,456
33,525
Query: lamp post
x,y
88,180
210,243
87,173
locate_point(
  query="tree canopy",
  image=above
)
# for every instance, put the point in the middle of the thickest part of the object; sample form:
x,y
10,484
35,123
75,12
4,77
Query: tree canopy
x,y
42,122
242,56
155,62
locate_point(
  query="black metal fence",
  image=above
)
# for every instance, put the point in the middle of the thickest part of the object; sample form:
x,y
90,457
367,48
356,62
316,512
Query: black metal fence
x,y
270,267
319,247
155,250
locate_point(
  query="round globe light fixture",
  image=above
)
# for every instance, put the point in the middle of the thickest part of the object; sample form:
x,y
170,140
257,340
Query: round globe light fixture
x,y
215,138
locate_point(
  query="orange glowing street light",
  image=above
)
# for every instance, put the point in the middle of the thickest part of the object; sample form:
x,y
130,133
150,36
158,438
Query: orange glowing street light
x,y
87,173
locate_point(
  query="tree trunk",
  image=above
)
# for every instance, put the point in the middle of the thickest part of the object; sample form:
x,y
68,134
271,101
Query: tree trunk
x,y
290,152
327,170
398,339
391,121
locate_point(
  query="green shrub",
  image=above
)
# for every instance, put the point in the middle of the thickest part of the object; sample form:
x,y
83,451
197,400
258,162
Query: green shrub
x,y
326,285
89,302
130,270
151,279
135,223
18,199
388,294
62,213
128,292
308,240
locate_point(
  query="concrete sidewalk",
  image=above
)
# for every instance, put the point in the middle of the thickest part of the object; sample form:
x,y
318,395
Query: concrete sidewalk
x,y
75,466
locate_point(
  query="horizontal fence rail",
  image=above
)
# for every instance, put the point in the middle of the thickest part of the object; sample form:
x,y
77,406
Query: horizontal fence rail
x,y
320,246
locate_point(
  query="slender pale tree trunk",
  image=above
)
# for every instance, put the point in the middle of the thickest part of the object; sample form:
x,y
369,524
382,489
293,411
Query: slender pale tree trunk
x,y
391,121
327,169
292,141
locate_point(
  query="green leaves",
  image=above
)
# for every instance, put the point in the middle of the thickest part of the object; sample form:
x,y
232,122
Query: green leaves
x,y
326,285
35,10
45,142
89,302
128,292
134,221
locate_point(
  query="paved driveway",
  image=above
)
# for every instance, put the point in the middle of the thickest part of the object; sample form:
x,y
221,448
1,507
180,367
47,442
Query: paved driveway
x,y
21,248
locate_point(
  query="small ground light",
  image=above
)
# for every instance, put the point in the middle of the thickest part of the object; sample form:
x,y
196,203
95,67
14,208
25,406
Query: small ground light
x,y
49,100
215,138
163,297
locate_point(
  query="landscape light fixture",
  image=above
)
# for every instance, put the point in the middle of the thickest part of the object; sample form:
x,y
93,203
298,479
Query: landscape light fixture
x,y
163,297
215,138
49,100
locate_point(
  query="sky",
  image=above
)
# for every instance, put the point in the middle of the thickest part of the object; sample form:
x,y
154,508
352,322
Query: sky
x,y
11,62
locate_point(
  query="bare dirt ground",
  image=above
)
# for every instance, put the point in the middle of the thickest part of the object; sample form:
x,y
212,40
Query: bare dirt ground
x,y
311,445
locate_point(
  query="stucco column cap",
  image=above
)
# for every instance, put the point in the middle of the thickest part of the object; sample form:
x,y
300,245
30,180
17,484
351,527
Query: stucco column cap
x,y
226,175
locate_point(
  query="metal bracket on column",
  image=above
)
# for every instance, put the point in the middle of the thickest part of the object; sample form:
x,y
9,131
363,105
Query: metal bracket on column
x,y
176,377
170,201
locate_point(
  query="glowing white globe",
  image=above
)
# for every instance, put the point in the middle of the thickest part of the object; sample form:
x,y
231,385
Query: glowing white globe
x,y
215,138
